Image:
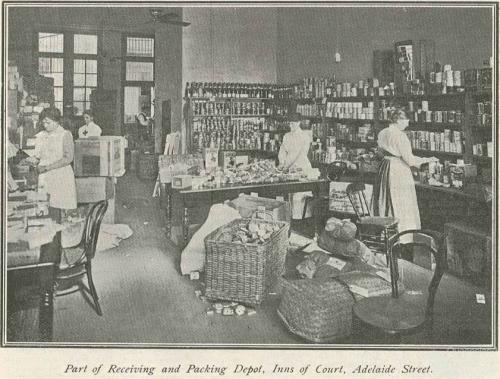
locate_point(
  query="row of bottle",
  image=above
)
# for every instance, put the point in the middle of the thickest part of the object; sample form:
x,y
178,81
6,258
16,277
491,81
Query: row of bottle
x,y
350,110
208,124
224,108
362,133
237,134
314,88
448,141
311,110
230,90
245,140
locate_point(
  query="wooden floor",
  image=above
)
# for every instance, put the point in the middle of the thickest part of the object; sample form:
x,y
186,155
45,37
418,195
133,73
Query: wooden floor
x,y
145,300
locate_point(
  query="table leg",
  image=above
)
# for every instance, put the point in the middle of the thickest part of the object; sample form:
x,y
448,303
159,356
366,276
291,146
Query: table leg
x,y
185,225
316,216
168,214
46,307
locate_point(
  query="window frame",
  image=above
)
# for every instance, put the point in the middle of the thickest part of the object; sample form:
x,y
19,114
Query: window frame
x,y
144,85
69,56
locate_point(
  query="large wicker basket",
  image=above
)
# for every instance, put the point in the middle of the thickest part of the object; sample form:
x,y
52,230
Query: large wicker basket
x,y
316,310
244,272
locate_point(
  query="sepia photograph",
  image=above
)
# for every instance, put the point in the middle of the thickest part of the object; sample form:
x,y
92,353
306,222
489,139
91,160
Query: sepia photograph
x,y
252,180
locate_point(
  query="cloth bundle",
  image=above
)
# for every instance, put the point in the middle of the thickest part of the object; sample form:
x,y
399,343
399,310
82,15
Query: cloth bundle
x,y
339,238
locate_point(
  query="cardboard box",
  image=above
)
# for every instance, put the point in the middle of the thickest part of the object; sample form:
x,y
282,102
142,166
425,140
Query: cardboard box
x,y
100,156
93,189
247,205
227,159
181,181
183,164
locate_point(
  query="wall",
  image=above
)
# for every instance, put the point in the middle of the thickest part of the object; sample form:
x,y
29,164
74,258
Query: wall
x,y
111,23
230,44
308,38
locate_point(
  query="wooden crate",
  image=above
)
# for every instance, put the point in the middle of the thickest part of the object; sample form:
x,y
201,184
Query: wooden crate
x,y
469,251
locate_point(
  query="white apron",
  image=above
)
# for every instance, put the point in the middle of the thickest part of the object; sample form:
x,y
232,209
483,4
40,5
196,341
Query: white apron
x,y
60,182
394,195
293,143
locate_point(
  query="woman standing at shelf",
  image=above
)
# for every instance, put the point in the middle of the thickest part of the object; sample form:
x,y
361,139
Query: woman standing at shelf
x,y
53,156
293,153
394,192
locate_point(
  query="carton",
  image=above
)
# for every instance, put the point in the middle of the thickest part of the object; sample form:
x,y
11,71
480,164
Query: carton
x,y
93,189
100,156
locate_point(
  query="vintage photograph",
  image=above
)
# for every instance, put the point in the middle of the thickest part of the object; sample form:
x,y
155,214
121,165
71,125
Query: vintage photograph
x,y
249,175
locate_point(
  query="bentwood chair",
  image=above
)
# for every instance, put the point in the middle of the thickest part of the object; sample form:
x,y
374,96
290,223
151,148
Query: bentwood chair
x,y
77,260
373,231
408,312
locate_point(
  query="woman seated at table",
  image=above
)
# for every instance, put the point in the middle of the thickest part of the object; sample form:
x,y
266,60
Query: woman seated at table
x,y
293,153
53,156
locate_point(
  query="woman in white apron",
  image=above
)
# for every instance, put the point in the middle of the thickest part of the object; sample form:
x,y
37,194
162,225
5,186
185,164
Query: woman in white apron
x,y
54,153
394,192
293,152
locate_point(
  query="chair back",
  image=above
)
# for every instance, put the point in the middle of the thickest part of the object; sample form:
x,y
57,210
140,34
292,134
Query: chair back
x,y
92,228
335,170
434,242
356,193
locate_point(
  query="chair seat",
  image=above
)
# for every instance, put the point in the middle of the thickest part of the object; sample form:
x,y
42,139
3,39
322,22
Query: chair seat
x,y
69,256
377,222
393,315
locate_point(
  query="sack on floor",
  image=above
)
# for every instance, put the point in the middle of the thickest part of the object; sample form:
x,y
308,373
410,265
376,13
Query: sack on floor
x,y
193,255
343,230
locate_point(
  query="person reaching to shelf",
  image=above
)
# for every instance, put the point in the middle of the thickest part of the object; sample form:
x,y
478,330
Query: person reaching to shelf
x,y
394,193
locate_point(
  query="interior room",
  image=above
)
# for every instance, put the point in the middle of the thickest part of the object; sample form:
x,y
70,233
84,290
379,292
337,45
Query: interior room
x,y
241,175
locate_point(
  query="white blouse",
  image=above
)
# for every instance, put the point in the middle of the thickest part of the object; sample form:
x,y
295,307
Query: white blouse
x,y
396,142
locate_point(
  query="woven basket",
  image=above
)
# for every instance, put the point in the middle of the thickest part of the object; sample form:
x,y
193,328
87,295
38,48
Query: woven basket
x,y
244,272
316,310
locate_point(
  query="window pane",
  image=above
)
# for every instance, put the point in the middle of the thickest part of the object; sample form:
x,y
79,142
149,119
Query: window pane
x,y
131,101
43,65
50,42
91,66
78,106
91,80
79,66
85,44
57,64
79,94
88,92
79,80
58,79
58,94
87,105
140,47
139,71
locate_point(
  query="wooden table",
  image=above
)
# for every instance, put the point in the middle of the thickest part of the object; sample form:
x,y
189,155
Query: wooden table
x,y
32,286
191,198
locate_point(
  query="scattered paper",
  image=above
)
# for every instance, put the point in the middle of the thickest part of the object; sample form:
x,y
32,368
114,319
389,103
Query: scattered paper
x,y
480,298
312,247
298,240
336,263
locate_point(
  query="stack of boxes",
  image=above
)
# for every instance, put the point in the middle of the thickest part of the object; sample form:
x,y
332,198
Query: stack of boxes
x,y
98,161
449,141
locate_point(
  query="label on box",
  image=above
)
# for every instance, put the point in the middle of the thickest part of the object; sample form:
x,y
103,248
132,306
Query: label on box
x,y
336,263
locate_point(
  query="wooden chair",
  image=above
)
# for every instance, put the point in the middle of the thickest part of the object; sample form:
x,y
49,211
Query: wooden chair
x,y
334,171
403,314
77,260
374,231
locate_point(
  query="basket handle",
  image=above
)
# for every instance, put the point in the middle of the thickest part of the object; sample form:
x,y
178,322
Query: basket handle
x,y
262,211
